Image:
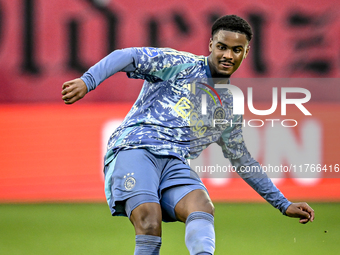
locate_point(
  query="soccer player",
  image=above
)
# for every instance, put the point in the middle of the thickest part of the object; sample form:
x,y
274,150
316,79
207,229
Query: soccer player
x,y
147,175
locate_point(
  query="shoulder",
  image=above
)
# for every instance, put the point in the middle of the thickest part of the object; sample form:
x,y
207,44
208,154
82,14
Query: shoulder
x,y
187,56
168,53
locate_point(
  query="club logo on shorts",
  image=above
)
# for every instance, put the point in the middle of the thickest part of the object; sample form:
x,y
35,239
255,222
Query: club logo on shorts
x,y
130,182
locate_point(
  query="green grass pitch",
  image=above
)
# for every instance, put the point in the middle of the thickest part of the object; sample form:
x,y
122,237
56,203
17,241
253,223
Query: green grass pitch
x,y
89,229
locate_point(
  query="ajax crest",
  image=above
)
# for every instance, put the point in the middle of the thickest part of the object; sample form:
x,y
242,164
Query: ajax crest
x,y
130,181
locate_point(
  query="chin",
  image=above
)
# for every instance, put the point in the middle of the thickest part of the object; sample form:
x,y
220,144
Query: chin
x,y
224,74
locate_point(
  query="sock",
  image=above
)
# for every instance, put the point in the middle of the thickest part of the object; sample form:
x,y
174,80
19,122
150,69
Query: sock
x,y
147,245
200,233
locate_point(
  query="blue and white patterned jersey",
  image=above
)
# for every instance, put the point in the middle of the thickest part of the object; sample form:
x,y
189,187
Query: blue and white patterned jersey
x,y
167,117
177,109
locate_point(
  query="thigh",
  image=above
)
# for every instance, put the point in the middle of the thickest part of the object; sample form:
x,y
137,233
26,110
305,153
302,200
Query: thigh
x,y
178,181
177,195
130,174
195,201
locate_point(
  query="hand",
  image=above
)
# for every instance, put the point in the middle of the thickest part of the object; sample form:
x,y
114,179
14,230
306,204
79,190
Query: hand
x,y
301,210
73,91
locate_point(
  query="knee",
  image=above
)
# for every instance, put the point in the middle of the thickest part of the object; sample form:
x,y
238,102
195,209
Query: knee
x,y
147,221
210,208
148,226
206,205
195,201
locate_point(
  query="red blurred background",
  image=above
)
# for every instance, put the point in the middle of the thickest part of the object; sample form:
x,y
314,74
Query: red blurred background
x,y
53,152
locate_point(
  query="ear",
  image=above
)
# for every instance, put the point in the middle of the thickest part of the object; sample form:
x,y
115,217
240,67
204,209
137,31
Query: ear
x,y
210,45
247,51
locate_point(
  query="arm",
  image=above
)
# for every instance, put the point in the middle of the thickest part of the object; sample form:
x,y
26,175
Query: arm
x,y
119,60
149,64
252,173
234,148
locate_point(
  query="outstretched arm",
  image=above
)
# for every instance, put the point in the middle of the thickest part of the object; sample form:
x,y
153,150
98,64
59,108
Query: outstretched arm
x,y
252,173
139,63
119,60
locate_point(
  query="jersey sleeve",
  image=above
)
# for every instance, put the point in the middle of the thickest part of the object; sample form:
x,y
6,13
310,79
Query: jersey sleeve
x,y
151,64
117,61
249,169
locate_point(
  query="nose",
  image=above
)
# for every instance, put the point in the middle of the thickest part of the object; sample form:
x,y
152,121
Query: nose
x,y
228,54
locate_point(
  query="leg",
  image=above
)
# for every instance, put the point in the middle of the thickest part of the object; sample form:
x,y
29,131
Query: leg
x,y
197,211
185,198
147,220
131,188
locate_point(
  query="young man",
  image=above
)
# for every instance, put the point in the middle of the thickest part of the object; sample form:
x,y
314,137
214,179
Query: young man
x,y
147,177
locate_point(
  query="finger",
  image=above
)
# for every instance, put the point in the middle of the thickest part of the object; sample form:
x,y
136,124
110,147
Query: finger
x,y
312,216
70,101
70,92
67,90
310,210
69,95
303,221
300,213
71,98
67,84
305,218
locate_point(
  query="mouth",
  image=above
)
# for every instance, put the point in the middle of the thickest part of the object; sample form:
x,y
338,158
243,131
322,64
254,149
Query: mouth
x,y
226,64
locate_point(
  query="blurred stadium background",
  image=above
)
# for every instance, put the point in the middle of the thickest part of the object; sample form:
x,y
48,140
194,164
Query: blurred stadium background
x,y
51,185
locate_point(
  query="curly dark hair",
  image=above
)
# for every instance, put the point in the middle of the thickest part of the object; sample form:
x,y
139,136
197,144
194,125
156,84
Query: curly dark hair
x,y
232,23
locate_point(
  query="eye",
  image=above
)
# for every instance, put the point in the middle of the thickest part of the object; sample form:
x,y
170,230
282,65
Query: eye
x,y
220,47
237,50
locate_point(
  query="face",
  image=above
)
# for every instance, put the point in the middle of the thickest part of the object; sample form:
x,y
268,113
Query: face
x,y
227,51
